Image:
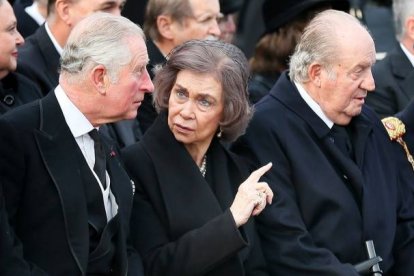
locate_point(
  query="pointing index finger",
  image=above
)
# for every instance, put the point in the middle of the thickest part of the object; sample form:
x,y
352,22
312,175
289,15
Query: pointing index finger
x,y
255,176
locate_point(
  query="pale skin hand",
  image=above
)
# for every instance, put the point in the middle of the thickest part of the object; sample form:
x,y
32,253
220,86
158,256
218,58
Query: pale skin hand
x,y
251,197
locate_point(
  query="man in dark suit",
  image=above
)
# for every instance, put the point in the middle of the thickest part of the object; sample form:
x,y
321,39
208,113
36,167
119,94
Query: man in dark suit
x,y
169,24
394,75
335,174
66,193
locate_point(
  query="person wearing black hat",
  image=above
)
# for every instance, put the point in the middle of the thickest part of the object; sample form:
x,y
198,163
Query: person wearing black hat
x,y
15,89
284,22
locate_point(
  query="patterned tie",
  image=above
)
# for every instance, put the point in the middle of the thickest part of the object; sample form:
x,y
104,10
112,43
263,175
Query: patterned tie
x,y
100,159
341,140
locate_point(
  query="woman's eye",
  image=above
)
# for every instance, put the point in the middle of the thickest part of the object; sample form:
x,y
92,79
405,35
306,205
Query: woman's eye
x,y
181,95
204,102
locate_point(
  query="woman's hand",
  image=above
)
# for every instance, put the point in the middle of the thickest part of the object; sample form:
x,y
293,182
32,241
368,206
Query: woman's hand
x,y
251,197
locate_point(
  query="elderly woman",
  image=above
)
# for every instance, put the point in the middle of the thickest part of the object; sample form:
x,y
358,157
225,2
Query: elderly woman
x,y
190,216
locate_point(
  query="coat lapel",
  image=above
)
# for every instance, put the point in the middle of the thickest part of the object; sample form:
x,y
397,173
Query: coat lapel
x,y
56,144
181,183
349,171
402,69
49,54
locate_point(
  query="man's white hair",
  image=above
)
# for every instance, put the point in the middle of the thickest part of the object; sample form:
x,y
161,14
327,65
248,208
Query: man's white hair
x,y
100,38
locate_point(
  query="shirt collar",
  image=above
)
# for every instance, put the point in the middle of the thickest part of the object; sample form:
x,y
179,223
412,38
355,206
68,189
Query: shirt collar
x,y
34,13
313,105
408,54
53,39
78,124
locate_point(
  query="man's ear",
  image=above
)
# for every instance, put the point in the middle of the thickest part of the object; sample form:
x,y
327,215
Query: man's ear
x,y
315,74
99,78
62,8
165,26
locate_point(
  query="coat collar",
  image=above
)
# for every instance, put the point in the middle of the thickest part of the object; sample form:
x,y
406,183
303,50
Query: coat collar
x,y
181,183
359,128
49,54
401,66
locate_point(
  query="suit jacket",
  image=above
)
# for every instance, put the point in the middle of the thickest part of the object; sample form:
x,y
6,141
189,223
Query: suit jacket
x,y
394,82
40,163
326,204
189,229
11,255
147,112
15,90
39,60
26,25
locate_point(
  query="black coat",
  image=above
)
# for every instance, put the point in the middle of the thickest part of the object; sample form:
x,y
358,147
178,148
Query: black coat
x,y
40,165
11,254
39,60
394,82
26,25
15,90
181,223
327,205
260,85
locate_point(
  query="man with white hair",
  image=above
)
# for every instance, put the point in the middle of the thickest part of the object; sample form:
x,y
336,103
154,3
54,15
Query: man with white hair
x,y
66,193
394,75
336,175
169,23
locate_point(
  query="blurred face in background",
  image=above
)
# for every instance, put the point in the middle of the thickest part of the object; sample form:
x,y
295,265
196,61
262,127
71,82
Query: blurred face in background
x,y
81,8
228,27
202,25
10,39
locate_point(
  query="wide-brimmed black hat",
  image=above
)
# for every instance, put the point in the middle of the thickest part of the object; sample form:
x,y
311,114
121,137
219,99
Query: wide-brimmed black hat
x,y
277,13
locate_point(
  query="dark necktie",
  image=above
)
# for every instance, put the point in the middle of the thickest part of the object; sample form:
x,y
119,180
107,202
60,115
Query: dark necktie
x,y
341,140
100,159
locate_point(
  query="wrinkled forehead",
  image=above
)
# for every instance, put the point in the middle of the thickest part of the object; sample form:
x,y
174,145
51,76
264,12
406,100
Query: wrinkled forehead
x,y
199,7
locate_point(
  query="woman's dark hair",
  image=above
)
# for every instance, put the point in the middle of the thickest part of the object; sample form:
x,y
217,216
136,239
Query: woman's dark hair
x,y
226,63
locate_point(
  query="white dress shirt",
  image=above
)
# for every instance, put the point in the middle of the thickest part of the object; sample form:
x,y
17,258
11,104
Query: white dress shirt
x,y
80,127
313,105
34,13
